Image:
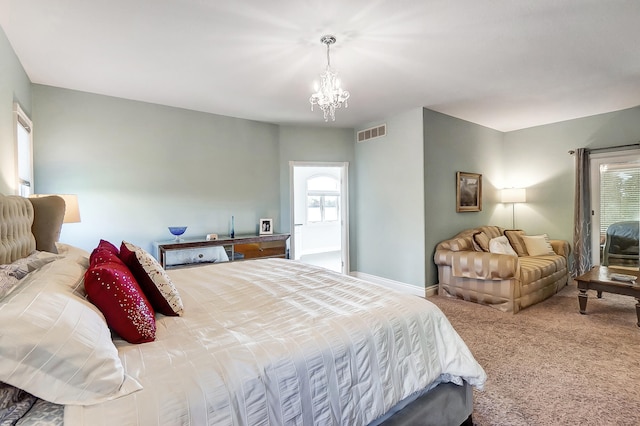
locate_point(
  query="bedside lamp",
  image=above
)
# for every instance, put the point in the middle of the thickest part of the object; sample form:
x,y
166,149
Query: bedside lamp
x,y
513,196
71,211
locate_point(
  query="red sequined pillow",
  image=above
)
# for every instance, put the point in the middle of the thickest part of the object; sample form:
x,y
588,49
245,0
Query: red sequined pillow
x,y
153,280
105,250
110,286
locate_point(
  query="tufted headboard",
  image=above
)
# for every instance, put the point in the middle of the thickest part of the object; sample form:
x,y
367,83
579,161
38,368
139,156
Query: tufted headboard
x,y
16,219
29,224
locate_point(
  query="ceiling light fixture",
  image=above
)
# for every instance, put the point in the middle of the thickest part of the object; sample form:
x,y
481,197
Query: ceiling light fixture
x,y
329,95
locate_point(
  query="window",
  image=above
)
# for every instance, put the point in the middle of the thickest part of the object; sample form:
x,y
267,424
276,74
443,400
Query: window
x,y
615,195
323,199
619,194
24,151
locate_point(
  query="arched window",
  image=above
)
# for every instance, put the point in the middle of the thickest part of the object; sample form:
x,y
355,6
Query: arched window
x,y
323,199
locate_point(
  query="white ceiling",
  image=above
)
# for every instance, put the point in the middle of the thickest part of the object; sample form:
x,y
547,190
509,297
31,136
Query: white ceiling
x,y
505,64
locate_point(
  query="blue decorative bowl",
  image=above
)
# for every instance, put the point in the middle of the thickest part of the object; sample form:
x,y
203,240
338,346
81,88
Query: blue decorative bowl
x,y
177,231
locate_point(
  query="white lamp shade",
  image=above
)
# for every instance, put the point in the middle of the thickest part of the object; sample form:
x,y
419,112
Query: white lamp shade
x,y
72,210
514,195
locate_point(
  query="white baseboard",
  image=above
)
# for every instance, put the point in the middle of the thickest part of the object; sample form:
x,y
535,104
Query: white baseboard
x,y
397,285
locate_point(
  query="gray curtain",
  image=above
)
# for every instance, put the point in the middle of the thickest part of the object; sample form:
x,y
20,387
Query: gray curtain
x,y
582,215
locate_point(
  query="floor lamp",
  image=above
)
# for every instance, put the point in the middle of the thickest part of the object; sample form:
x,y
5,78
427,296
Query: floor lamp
x,y
513,196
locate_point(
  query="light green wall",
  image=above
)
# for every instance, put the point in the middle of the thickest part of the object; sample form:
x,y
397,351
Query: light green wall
x,y
14,87
316,144
537,158
453,145
390,201
138,168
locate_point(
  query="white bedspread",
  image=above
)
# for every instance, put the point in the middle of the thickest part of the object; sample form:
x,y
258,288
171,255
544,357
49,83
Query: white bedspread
x,y
276,342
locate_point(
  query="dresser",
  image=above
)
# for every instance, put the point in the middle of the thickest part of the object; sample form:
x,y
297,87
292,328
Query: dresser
x,y
189,251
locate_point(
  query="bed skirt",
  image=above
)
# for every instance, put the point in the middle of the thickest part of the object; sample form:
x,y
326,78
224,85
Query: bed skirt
x,y
447,404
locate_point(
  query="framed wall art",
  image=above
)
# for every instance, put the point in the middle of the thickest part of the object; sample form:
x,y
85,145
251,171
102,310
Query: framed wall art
x,y
266,226
468,192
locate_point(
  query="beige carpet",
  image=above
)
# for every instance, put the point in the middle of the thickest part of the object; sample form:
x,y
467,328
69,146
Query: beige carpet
x,y
549,365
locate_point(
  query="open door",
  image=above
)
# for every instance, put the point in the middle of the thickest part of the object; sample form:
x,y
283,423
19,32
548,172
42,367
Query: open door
x,y
319,214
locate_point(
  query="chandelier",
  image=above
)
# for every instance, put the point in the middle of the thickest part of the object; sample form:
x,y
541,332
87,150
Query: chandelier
x,y
329,95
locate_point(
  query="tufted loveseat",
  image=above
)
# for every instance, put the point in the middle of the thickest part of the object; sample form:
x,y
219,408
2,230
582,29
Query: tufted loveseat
x,y
506,282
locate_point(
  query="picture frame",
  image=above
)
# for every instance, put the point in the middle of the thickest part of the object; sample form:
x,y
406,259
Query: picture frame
x,y
266,226
468,192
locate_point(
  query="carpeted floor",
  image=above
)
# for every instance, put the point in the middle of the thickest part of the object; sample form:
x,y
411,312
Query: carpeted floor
x,y
549,365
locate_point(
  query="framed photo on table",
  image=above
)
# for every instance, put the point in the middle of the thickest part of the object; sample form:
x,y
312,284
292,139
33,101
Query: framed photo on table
x,y
468,192
266,226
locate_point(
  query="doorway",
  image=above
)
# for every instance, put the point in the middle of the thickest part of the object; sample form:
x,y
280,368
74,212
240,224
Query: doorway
x,y
615,201
319,214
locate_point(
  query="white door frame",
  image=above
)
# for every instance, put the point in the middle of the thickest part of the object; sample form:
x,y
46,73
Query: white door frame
x,y
344,202
596,160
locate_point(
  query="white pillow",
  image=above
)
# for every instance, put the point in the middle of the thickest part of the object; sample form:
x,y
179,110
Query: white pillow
x,y
500,245
12,273
8,281
81,256
56,345
538,245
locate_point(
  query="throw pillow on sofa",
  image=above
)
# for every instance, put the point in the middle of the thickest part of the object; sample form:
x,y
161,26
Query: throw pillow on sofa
x,y
538,245
480,241
517,243
500,245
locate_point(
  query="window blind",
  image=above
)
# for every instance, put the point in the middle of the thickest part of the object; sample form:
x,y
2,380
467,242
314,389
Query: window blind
x,y
619,194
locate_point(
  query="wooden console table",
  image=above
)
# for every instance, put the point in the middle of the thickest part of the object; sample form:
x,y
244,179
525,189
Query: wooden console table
x,y
248,246
599,279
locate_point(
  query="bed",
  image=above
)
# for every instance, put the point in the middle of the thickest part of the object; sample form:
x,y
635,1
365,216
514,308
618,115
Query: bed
x,y
257,342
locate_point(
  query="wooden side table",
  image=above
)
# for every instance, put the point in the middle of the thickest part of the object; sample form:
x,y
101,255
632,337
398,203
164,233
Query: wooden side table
x,y
250,246
599,279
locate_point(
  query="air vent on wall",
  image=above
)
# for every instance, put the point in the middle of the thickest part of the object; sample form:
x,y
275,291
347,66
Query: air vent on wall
x,y
371,133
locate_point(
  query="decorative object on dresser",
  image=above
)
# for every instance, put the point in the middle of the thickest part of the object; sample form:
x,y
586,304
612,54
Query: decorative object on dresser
x,y
515,272
177,231
468,192
266,226
200,250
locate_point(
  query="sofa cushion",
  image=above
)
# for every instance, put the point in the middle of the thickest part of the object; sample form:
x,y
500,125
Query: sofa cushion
x,y
491,231
481,265
500,245
480,241
538,245
515,239
533,268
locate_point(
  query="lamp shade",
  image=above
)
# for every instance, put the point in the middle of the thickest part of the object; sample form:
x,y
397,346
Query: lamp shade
x,y
514,195
72,210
